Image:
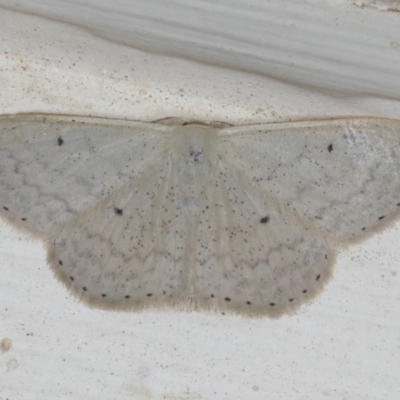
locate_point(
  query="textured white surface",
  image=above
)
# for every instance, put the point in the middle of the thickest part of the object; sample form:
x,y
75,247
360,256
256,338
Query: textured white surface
x,y
324,60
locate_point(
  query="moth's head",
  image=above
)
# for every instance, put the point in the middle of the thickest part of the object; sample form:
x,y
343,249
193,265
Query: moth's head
x,y
175,121
214,124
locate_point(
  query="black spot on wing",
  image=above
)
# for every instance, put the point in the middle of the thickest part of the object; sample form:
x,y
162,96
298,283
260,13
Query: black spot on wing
x,y
60,141
264,220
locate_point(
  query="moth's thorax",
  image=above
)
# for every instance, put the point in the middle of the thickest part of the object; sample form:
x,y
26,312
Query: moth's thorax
x,y
196,152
